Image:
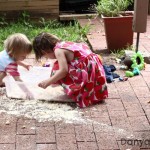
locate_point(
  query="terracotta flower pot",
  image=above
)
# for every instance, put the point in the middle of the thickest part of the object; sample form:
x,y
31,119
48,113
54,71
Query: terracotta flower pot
x,y
118,31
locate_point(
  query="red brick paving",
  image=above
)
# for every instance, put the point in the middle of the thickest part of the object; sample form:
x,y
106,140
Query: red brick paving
x,y
125,115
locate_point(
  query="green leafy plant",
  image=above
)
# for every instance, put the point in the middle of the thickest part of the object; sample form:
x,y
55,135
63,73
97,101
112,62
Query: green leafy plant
x,y
3,21
49,23
25,19
70,31
121,52
82,31
112,8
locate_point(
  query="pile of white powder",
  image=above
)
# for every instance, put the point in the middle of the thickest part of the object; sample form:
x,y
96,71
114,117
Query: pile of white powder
x,y
39,110
48,111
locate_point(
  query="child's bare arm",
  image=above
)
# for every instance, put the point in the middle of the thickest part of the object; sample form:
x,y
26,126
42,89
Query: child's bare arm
x,y
2,75
27,66
17,78
61,73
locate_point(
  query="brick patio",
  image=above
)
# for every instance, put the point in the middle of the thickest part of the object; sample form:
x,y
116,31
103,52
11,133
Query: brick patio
x,y
117,124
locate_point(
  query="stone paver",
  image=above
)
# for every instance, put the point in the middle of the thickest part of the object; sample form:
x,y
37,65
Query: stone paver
x,y
45,134
87,146
121,122
25,142
7,146
46,147
85,133
25,126
7,130
66,142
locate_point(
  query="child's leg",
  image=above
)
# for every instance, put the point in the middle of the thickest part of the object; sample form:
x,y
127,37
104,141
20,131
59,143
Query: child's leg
x,y
2,75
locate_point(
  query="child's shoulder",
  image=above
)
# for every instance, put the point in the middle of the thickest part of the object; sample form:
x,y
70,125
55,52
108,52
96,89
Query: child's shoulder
x,y
70,43
64,44
73,46
3,52
4,55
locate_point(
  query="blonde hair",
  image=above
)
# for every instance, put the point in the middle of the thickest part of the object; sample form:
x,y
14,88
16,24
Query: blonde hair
x,y
17,44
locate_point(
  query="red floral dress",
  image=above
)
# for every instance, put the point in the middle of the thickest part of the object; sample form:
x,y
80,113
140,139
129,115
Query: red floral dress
x,y
85,82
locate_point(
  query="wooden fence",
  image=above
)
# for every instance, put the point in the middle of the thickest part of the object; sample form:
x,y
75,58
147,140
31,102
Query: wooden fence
x,y
36,8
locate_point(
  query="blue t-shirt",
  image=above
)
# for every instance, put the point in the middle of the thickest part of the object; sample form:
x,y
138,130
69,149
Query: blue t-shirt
x,y
5,60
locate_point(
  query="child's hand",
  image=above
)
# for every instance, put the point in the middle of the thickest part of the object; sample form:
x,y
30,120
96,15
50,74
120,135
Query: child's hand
x,y
2,84
44,84
28,67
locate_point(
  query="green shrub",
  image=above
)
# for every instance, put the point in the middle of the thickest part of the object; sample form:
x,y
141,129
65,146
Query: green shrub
x,y
112,8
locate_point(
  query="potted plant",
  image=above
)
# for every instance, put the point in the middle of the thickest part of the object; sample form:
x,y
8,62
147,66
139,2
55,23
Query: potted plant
x,y
117,22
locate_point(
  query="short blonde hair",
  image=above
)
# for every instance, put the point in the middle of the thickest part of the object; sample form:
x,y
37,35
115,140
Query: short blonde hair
x,y
17,44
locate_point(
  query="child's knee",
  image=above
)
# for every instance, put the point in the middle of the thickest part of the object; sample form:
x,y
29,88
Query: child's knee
x,y
2,75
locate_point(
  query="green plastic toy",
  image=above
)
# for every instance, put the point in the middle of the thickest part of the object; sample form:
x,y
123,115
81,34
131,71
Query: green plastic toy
x,y
129,74
137,61
137,65
135,72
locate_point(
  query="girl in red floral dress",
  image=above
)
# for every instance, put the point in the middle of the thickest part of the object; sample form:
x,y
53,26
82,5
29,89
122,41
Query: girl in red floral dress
x,y
77,69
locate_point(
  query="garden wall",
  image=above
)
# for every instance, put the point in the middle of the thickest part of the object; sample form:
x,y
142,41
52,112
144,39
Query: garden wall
x,y
36,8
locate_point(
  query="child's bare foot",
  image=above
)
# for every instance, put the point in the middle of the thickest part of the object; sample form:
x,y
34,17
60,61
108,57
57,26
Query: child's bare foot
x,y
2,85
